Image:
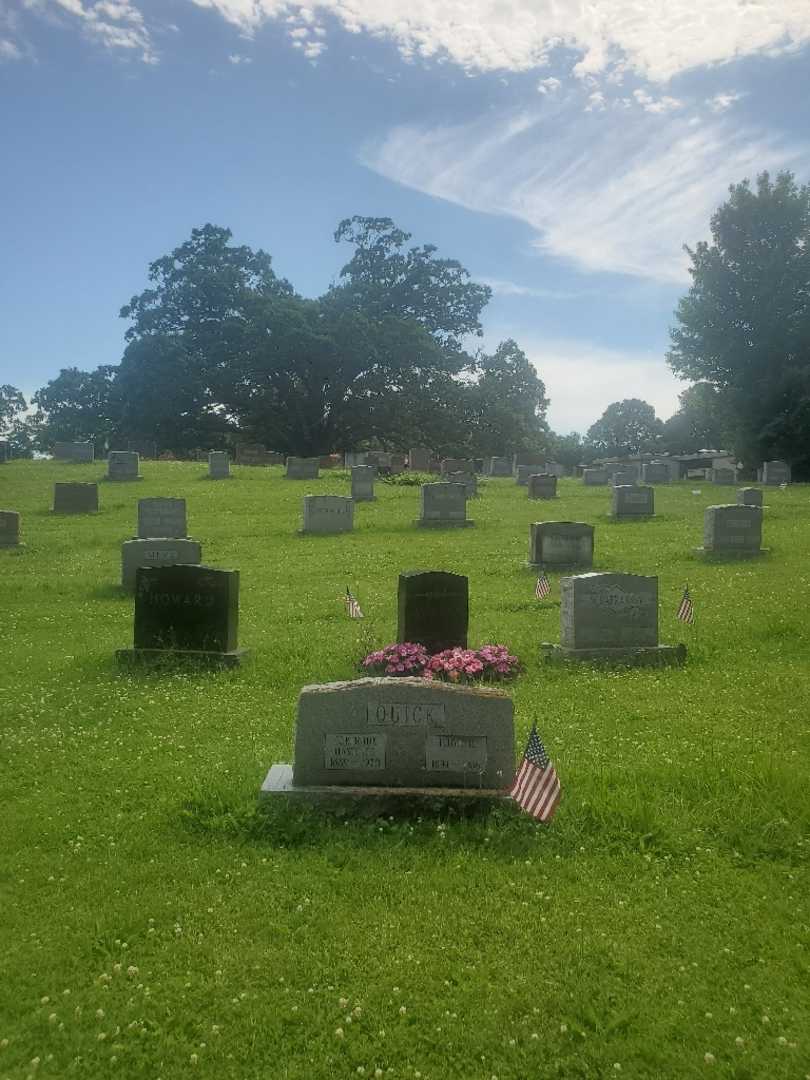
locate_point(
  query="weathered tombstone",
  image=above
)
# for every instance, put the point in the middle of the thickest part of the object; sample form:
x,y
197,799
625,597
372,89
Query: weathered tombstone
x,y
144,450
5,451
467,479
123,465
161,517
156,551
251,454
363,483
351,458
732,530
723,475
185,612
655,472
594,477
75,498
624,476
499,466
419,459
303,468
527,459
433,609
328,514
542,486
553,468
455,465
398,743
398,463
775,472
219,465
522,474
613,618
9,529
77,452
749,496
630,500
561,543
443,505
380,458
675,470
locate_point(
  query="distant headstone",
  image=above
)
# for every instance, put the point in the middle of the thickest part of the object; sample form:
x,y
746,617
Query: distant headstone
x,y
561,543
75,498
632,500
499,466
144,450
219,465
624,476
656,472
77,452
162,517
528,459
274,458
443,505
732,530
380,458
156,551
251,454
522,474
469,480
363,483
456,465
613,618
419,459
398,463
542,486
553,468
724,475
9,529
749,496
594,477
185,612
328,461
5,451
303,468
328,514
433,609
352,458
123,465
775,472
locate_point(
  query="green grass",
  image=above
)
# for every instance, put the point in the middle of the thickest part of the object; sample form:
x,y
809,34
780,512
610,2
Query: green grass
x,y
154,924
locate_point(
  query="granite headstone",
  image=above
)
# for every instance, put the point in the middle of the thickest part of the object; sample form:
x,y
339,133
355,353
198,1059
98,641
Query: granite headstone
x,y
328,514
542,486
443,506
433,609
72,498
156,551
161,517
561,543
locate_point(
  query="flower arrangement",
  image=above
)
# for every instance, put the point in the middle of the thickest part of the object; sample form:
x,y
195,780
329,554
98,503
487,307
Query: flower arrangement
x,y
493,663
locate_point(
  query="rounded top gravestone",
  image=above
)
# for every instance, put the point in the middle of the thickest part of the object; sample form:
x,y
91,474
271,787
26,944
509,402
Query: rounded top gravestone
x,y
433,609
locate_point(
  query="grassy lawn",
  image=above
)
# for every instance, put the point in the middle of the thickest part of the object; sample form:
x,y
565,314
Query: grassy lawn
x,y
153,923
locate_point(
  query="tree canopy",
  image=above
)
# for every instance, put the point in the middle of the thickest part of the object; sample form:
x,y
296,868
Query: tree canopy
x,y
625,427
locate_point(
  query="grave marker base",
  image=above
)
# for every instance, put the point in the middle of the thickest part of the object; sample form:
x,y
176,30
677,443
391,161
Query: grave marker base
x,y
380,801
179,658
641,656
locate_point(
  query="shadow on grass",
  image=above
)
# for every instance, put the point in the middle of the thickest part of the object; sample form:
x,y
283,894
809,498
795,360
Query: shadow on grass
x,y
111,592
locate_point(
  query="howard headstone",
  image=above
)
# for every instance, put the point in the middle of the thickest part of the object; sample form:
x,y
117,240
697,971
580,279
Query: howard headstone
x,y
613,618
156,551
186,612
9,529
631,500
303,468
161,517
542,486
732,530
443,506
363,483
123,465
561,543
219,465
433,609
75,498
328,514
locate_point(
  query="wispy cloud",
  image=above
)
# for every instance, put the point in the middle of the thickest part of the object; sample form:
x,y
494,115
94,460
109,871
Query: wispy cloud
x,y
720,102
118,25
618,191
9,51
511,288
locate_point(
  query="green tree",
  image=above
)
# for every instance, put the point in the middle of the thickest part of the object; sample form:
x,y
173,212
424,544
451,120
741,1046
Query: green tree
x,y
744,325
569,450
701,422
15,428
77,405
625,427
508,403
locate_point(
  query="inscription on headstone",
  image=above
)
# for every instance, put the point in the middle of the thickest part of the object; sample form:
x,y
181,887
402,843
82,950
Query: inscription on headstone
x,y
156,551
561,543
732,529
123,465
633,501
328,514
161,517
443,505
608,611
433,609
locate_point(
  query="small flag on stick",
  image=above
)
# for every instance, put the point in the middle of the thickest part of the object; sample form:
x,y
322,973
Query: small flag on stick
x,y
352,606
536,787
686,611
543,587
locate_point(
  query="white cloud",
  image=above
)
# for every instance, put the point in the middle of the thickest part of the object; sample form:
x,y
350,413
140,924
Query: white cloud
x,y
657,40
720,102
116,24
583,378
237,58
510,288
9,51
549,86
652,104
617,191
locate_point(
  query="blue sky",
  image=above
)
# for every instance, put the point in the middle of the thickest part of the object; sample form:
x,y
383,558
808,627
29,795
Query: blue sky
x,y
563,151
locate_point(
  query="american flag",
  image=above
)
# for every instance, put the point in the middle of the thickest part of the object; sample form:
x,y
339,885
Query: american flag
x,y
543,586
352,606
536,787
686,612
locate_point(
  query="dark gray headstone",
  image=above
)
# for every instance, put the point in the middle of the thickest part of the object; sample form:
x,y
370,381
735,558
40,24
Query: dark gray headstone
x,y
561,543
161,517
499,466
749,496
251,454
775,472
469,481
9,528
630,500
187,608
724,475
328,514
433,609
363,483
542,486
443,505
594,477
77,452
656,472
535,460
300,468
732,529
123,465
419,459
219,465
75,498
455,465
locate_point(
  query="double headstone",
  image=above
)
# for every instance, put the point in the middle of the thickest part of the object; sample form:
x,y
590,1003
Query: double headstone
x,y
9,529
123,465
749,496
186,612
419,459
611,618
75,498
631,500
433,609
656,472
398,742
732,530
219,465
594,477
775,472
561,543
363,483
443,506
303,468
77,452
328,514
542,486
